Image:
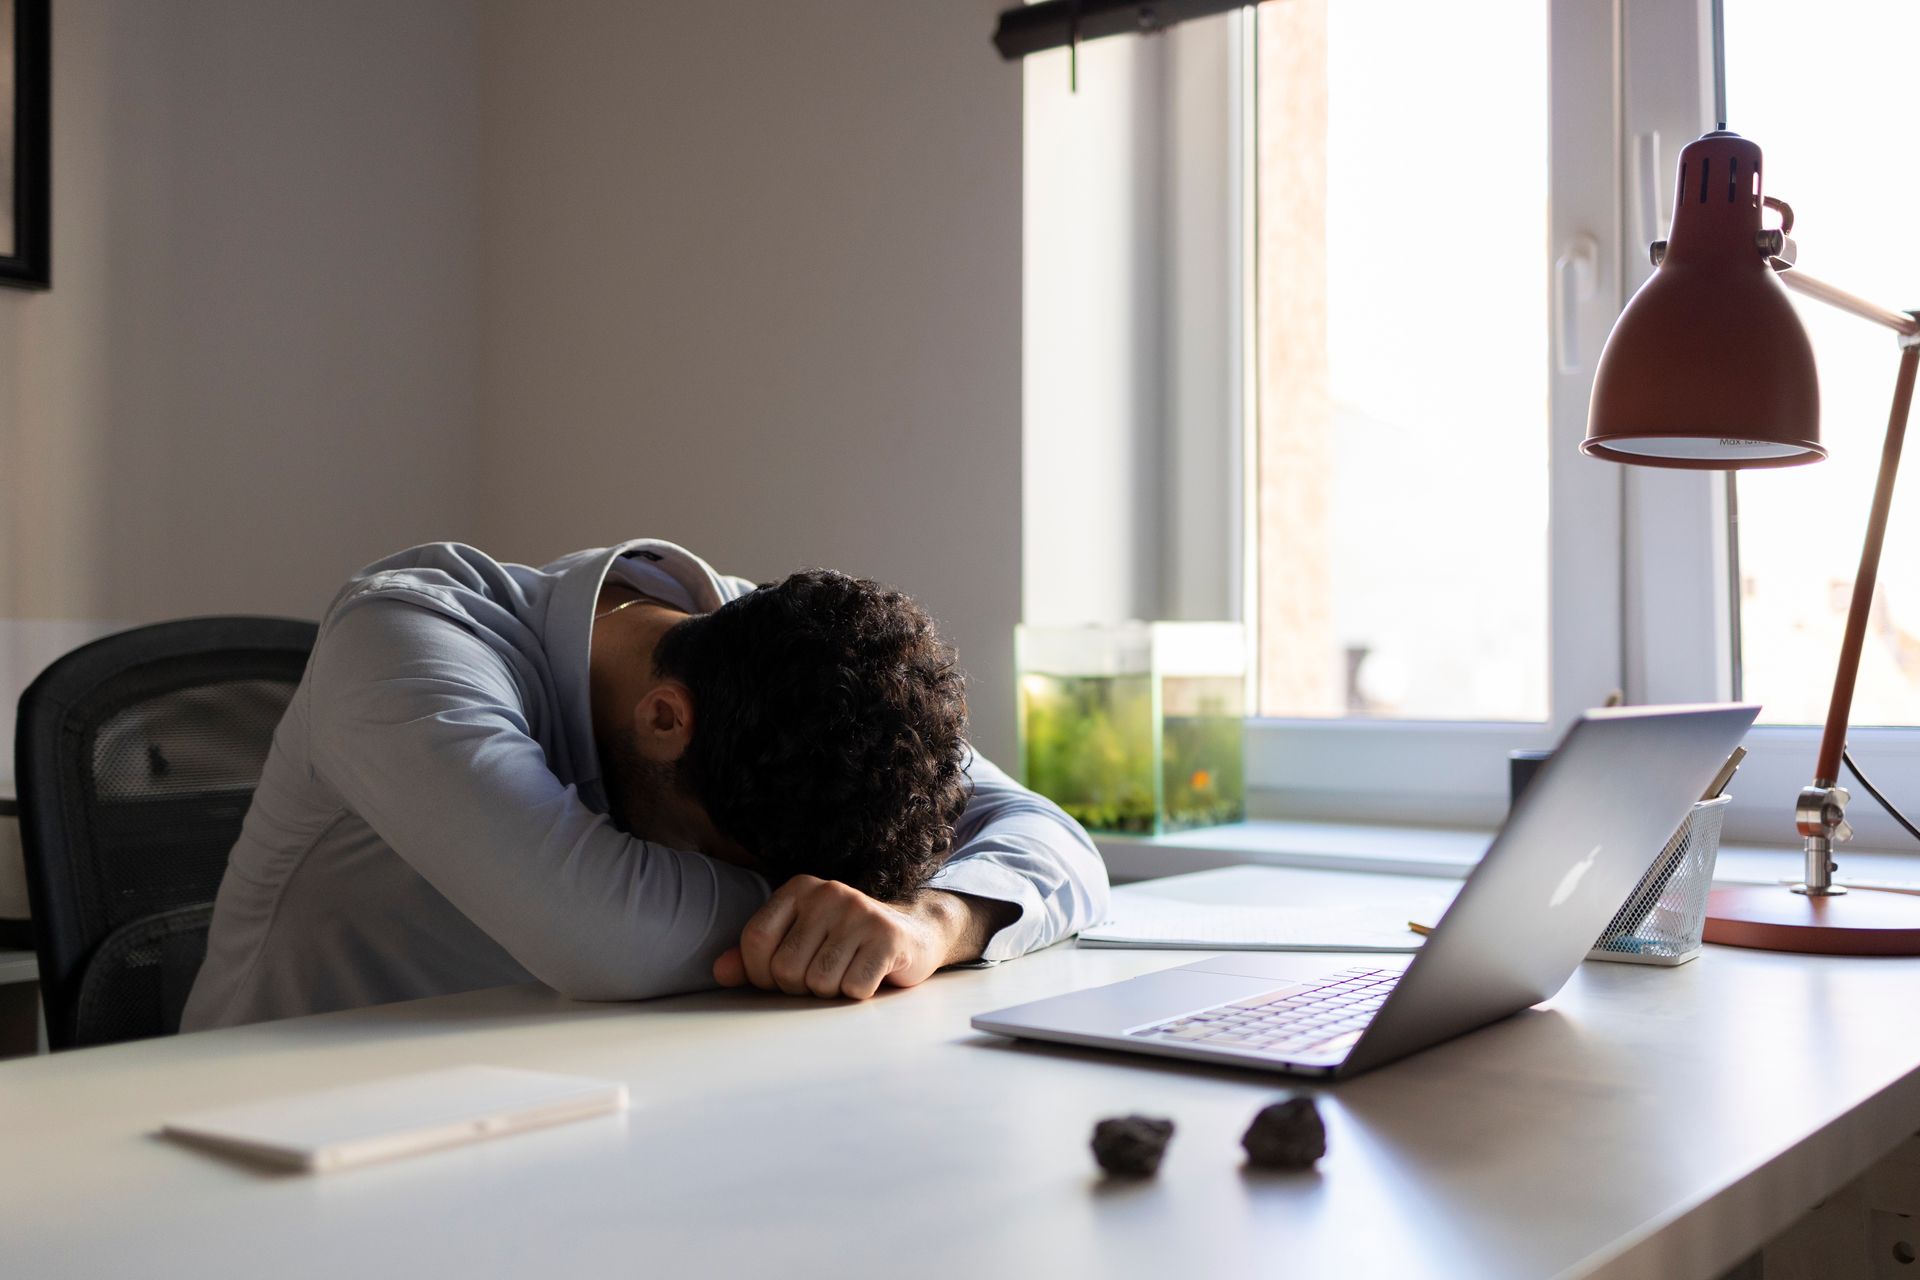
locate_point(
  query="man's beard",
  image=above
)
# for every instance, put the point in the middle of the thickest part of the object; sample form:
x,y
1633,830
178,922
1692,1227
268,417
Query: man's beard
x,y
635,785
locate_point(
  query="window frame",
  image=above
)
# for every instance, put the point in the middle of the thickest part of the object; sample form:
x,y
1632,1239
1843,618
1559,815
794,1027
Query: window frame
x,y
1641,568
1640,572
1679,541
1640,559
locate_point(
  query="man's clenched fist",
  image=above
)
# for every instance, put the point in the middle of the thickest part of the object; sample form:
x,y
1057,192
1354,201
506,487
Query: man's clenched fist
x,y
828,939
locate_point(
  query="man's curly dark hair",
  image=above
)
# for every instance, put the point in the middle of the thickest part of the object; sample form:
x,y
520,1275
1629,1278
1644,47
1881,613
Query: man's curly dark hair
x,y
829,730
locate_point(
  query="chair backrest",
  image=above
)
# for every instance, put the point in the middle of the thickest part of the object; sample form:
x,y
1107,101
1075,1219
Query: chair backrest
x,y
137,756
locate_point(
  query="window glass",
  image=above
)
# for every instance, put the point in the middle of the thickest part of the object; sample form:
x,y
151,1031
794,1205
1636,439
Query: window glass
x,y
1824,90
1402,359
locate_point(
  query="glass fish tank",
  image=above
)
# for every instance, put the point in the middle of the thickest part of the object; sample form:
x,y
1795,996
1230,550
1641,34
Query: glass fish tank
x,y
1136,728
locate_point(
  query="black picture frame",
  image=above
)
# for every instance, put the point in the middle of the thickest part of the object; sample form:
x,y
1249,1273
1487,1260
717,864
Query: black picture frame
x,y
27,262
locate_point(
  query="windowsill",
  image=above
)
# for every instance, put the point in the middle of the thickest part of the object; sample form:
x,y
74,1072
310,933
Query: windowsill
x,y
1440,852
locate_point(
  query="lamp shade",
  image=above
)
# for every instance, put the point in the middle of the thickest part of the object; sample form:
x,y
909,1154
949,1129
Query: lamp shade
x,y
1709,367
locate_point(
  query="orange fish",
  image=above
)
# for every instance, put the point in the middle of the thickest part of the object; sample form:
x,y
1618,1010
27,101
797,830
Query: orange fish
x,y
1201,780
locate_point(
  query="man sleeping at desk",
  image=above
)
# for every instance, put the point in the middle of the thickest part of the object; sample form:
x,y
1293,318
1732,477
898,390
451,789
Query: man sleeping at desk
x,y
625,775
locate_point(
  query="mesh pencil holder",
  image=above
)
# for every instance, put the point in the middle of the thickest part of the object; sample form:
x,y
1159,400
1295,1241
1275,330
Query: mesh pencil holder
x,y
1663,918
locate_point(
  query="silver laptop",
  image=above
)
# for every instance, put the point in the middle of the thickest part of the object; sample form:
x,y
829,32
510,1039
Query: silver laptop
x,y
1582,834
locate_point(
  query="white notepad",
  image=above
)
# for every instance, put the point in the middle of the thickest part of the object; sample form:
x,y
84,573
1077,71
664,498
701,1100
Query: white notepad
x,y
400,1115
1140,920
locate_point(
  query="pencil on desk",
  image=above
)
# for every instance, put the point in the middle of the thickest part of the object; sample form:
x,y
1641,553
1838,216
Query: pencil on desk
x,y
1424,930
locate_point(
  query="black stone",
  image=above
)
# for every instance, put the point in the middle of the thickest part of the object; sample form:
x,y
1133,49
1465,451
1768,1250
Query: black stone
x,y
1286,1135
1131,1146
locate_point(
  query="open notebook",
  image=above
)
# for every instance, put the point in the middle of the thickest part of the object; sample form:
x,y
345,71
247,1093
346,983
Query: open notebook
x,y
1140,920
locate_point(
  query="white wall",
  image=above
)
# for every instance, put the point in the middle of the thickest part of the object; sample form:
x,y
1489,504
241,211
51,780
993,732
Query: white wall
x,y
1092,331
752,283
1204,271
257,366
332,277
1131,331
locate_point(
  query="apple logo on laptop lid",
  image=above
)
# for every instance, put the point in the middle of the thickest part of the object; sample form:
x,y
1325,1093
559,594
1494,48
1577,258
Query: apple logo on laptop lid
x,y
1571,881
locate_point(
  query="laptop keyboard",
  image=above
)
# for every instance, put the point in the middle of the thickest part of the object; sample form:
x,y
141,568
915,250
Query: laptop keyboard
x,y
1323,1015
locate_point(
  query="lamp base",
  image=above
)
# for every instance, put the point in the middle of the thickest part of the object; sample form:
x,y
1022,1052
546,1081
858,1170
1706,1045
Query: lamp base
x,y
1861,923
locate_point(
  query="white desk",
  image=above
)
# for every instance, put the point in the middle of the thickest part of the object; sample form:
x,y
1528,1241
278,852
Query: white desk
x,y
1650,1123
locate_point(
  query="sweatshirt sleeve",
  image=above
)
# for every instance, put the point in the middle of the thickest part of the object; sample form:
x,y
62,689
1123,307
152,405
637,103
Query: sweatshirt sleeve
x,y
1014,846
419,727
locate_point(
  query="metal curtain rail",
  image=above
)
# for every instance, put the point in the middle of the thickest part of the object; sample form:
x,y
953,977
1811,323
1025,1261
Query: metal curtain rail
x,y
1056,24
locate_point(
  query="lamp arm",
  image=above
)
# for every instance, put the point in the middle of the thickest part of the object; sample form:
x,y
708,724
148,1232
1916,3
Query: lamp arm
x,y
1821,811
1901,322
1827,771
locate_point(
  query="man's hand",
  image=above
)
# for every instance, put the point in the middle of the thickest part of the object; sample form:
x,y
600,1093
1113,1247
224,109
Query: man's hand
x,y
824,938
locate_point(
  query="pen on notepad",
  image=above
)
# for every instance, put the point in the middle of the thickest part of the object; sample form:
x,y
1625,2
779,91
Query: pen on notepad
x,y
1424,930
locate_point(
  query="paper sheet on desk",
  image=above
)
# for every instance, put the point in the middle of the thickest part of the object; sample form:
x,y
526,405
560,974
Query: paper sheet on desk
x,y
1138,920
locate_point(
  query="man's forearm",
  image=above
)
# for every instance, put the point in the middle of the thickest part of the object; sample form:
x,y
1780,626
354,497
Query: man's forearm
x,y
966,922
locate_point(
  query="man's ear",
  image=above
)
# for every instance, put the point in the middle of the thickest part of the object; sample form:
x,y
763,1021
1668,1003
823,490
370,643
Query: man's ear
x,y
663,721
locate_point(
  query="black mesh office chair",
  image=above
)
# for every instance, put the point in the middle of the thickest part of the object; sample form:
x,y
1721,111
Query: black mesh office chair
x,y
137,757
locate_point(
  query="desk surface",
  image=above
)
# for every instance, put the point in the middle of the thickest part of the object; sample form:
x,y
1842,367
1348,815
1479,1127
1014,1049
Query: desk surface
x,y
1647,1122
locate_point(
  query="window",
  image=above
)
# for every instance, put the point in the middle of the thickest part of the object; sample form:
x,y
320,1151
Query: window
x,y
1823,105
1381,245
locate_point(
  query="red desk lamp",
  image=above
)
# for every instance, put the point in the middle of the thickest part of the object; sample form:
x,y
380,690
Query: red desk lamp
x,y
1708,368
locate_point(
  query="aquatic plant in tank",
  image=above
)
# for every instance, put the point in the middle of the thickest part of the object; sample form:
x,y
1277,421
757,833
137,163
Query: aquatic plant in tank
x,y
1136,728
